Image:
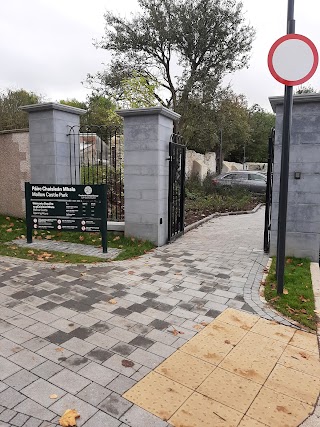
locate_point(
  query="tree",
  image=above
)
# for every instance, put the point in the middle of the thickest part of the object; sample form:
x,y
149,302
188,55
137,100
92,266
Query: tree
x,y
207,38
11,117
304,89
100,111
256,145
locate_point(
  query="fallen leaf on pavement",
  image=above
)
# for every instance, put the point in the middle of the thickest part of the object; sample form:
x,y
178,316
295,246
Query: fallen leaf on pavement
x,y
112,301
68,419
304,355
131,272
227,342
204,323
60,349
175,332
199,327
53,396
127,363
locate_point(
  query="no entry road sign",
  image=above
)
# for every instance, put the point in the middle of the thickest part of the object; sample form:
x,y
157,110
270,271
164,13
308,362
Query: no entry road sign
x,y
293,59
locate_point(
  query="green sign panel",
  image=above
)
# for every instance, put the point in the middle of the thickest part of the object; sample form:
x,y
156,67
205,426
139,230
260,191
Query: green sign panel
x,y
81,208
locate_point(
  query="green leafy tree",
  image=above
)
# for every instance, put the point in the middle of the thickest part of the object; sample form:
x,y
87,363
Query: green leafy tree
x,y
207,38
11,117
100,111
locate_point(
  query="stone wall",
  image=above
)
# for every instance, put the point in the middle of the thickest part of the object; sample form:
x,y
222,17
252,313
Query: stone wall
x,y
200,164
14,171
248,166
303,217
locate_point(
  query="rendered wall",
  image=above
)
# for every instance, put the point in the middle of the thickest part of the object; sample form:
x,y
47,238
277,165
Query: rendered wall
x,y
303,218
14,171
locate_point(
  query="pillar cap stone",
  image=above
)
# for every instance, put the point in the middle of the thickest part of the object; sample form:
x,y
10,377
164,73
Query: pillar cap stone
x,y
304,98
52,106
163,111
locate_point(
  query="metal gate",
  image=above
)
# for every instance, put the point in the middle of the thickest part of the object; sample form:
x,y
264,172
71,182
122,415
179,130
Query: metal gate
x,y
267,226
177,171
96,157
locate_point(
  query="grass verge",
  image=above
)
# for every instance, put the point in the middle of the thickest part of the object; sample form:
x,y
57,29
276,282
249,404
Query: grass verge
x,y
297,301
13,228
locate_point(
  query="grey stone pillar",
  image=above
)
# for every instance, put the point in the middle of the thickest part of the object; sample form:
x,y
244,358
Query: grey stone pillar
x,y
303,218
147,133
52,161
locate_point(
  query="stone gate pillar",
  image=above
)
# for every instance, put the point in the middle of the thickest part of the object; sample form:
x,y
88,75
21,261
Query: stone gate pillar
x,y
147,133
303,217
51,160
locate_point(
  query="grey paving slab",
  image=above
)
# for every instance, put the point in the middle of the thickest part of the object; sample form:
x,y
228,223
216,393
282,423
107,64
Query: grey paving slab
x,y
115,405
137,417
20,379
68,401
27,359
94,393
34,409
69,381
102,419
41,390
47,369
9,398
7,368
98,373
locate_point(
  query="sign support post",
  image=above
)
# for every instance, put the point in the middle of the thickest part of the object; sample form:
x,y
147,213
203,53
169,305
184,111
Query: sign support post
x,y
284,176
293,59
104,219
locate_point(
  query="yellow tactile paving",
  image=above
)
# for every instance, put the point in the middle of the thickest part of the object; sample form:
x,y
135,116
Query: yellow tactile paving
x,y
273,330
294,383
229,389
238,318
305,341
239,371
199,411
254,358
158,395
277,410
301,360
185,369
214,343
250,422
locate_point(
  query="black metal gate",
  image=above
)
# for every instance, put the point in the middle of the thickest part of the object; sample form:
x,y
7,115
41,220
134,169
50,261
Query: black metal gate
x,y
177,172
267,226
96,157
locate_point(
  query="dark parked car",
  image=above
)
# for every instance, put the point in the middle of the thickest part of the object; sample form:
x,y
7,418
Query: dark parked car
x,y
251,180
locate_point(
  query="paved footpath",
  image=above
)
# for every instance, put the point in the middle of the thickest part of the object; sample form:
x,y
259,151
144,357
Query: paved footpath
x,y
61,332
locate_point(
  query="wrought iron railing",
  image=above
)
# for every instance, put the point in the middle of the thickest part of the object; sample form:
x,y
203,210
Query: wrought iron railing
x,y
96,157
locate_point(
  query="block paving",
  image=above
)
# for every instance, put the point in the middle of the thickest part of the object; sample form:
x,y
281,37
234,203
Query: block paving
x,y
59,333
240,370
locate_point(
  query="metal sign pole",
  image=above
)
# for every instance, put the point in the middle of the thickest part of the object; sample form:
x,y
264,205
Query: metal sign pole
x,y
284,177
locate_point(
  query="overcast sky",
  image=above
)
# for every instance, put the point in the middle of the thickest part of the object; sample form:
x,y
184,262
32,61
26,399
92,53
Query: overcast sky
x,y
46,45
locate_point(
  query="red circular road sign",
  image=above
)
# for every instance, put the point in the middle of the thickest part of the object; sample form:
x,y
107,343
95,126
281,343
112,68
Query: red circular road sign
x,y
293,59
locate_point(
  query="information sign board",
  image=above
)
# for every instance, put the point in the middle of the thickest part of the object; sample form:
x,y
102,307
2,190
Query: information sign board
x,y
81,208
